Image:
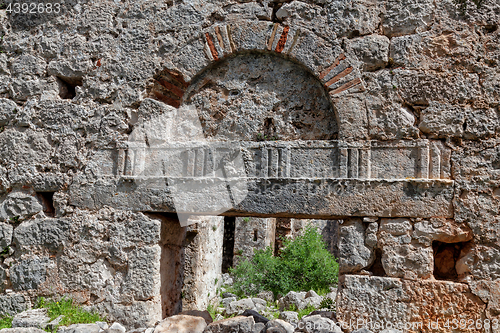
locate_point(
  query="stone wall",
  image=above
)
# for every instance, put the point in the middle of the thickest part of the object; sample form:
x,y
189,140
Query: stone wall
x,y
252,234
384,114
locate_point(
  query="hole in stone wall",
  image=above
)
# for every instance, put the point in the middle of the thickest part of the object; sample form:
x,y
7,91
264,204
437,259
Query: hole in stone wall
x,y
330,235
376,268
255,235
283,228
47,201
445,259
228,243
276,6
490,28
67,87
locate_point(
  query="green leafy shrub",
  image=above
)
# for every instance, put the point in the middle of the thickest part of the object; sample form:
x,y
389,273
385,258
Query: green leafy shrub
x,y
73,314
6,322
303,264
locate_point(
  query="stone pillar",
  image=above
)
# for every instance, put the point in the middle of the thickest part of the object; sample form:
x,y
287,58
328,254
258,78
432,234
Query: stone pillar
x,y
202,262
252,234
171,264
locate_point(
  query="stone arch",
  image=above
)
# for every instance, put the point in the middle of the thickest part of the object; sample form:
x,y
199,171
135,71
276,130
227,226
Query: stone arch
x,y
337,70
260,96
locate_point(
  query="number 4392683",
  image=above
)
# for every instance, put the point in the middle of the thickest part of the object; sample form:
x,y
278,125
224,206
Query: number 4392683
x,y
33,8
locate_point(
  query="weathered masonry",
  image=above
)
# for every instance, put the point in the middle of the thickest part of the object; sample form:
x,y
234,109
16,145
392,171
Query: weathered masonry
x,y
115,116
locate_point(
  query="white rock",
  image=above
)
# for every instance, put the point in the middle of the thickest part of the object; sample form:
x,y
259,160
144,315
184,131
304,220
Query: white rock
x,y
117,326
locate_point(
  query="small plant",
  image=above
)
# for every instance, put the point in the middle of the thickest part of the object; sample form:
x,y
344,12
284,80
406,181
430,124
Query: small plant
x,y
6,322
14,219
304,312
73,314
214,228
212,310
230,316
246,219
327,303
239,252
275,314
5,251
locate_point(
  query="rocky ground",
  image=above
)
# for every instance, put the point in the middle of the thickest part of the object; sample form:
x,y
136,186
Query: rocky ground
x,y
295,312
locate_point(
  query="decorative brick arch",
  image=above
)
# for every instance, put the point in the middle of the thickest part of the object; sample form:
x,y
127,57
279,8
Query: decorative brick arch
x,y
337,70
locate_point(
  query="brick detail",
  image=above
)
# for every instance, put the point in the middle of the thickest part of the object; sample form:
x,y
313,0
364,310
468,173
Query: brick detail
x,y
219,37
211,46
168,87
339,76
332,66
271,39
346,86
281,43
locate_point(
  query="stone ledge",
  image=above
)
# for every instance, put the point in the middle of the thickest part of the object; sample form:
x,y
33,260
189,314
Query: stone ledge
x,y
279,197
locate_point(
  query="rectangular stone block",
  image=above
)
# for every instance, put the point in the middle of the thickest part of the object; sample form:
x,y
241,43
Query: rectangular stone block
x,y
379,303
325,198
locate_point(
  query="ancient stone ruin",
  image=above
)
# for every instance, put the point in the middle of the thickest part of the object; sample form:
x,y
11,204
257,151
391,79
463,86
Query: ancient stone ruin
x,y
146,146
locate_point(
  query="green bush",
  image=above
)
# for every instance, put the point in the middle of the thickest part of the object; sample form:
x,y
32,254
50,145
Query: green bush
x,y
303,264
6,322
73,314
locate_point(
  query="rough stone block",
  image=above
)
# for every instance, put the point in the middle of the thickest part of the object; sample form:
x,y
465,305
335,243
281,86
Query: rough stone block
x,y
7,111
50,233
372,50
421,88
143,279
6,231
442,120
19,205
348,19
352,117
134,315
354,254
12,304
402,256
181,323
372,302
32,318
236,324
407,17
29,273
